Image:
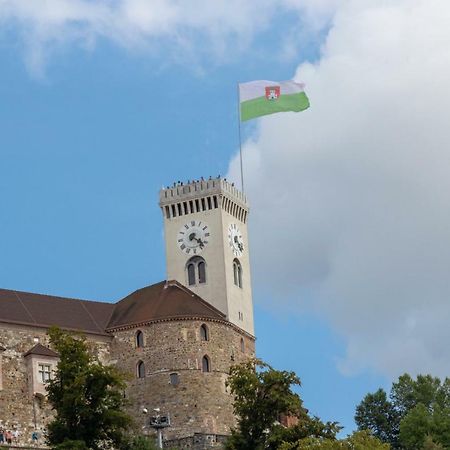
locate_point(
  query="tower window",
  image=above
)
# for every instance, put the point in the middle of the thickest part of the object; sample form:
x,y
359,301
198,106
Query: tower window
x,y
242,345
209,202
215,201
191,206
140,369
203,204
201,272
237,273
197,205
196,271
167,212
179,209
139,339
191,274
174,379
204,333
185,206
206,365
174,212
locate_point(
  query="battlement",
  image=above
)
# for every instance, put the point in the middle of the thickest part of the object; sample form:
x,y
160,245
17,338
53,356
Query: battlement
x,y
202,195
196,188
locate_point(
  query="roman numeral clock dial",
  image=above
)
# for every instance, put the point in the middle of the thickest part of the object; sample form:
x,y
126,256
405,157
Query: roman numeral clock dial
x,y
193,237
235,240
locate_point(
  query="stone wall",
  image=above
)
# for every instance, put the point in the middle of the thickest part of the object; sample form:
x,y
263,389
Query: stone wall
x,y
200,402
198,405
197,442
20,408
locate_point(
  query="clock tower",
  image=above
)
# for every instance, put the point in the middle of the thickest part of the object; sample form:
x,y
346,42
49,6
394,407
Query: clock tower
x,y
205,225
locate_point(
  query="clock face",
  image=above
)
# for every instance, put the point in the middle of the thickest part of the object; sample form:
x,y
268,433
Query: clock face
x,y
193,237
235,240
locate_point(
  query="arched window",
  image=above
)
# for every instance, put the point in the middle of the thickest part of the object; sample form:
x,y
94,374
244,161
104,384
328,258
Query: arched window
x,y
140,370
201,272
196,271
237,273
204,333
191,274
206,365
139,339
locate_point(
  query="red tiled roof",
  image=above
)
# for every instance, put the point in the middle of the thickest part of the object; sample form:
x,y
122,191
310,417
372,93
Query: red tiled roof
x,y
164,300
46,310
39,349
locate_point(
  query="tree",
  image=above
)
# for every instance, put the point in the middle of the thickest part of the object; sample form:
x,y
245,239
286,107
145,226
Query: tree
x,y
361,440
87,398
415,427
261,396
378,415
418,410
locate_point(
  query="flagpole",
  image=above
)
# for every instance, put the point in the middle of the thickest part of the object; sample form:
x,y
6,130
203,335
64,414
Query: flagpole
x,y
240,143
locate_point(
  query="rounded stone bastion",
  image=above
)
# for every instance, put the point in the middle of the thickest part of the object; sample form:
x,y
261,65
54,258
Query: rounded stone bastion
x,y
177,360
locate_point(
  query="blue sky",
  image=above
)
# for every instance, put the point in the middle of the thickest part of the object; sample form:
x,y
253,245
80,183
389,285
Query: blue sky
x,y
93,121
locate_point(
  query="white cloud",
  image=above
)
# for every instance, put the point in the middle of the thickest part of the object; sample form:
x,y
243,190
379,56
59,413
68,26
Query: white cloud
x,y
219,26
350,198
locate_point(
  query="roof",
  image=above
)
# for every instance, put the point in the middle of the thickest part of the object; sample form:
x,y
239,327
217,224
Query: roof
x,y
164,300
167,300
40,350
25,308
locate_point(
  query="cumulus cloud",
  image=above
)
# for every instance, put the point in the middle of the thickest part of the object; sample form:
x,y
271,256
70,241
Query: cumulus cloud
x,y
352,195
219,28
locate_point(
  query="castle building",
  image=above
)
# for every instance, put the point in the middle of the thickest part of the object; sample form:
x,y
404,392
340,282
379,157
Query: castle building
x,y
177,339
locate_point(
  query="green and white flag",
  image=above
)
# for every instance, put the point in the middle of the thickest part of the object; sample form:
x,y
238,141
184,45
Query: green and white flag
x,y
262,97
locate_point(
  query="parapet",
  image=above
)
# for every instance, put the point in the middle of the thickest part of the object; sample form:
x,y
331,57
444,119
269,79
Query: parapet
x,y
202,195
198,188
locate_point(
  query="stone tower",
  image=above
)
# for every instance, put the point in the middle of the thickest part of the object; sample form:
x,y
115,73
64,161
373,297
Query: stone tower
x,y
205,224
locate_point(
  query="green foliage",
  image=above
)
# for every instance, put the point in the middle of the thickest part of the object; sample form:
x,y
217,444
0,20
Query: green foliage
x,y
378,415
143,443
429,444
416,417
415,427
361,440
261,396
307,427
70,445
86,396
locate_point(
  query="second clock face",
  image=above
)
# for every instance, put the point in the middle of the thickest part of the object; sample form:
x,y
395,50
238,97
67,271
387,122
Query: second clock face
x,y
193,237
235,240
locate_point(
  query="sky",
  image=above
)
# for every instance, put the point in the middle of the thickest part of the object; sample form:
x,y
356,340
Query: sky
x,y
103,102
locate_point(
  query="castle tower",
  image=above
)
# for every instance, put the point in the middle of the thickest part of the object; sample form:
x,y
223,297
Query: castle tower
x,y
205,224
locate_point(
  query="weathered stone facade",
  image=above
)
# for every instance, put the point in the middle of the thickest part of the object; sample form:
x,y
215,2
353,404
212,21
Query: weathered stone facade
x,y
175,380
23,404
199,401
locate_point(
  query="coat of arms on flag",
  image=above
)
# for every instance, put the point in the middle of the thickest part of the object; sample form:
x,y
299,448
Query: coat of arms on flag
x,y
272,92
260,97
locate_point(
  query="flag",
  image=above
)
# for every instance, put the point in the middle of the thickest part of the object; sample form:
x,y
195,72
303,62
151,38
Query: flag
x,y
262,97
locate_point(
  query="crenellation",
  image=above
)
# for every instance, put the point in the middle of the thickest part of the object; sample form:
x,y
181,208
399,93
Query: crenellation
x,y
220,187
